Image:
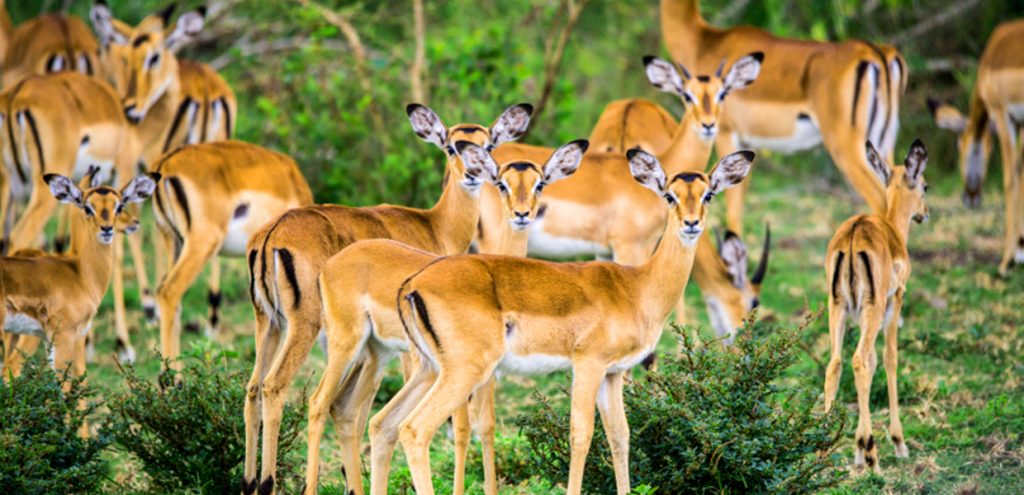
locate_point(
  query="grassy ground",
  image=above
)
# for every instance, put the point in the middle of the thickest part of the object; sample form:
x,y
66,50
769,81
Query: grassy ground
x,y
961,386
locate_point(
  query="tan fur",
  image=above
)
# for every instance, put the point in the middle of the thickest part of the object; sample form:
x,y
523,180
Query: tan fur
x,y
867,267
598,318
817,79
998,94
30,46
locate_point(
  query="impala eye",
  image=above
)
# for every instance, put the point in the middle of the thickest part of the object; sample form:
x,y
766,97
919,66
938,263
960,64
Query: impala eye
x,y
687,97
926,188
89,211
451,150
502,187
540,187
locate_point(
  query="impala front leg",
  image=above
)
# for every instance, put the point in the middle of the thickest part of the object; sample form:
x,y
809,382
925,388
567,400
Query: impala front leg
x,y
1011,187
125,351
194,254
586,381
484,427
384,426
725,144
616,427
461,433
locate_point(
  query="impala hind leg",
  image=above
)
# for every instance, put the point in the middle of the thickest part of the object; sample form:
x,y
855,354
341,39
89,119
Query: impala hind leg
x,y
462,433
864,359
616,427
846,146
891,370
1011,187
125,351
484,427
195,252
268,338
62,234
213,298
384,426
836,332
586,381
350,413
27,229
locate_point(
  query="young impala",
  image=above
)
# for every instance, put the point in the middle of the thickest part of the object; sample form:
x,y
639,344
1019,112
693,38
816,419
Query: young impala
x,y
287,255
593,212
868,267
836,93
471,315
358,287
997,103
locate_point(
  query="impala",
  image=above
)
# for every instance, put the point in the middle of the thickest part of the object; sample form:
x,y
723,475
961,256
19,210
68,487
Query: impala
x,y
358,287
839,94
43,45
997,103
468,316
868,267
211,199
172,101
594,211
56,296
287,255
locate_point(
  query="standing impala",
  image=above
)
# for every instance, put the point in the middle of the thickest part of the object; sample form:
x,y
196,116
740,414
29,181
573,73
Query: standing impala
x,y
357,289
287,255
996,103
868,267
594,211
840,94
44,45
172,101
469,316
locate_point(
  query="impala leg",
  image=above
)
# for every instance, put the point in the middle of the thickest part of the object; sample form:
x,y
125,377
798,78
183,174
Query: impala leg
x,y
350,414
1018,256
891,361
1011,187
303,326
196,251
384,426
22,346
141,274
725,143
462,433
6,213
846,146
485,425
40,207
836,332
213,297
125,351
616,427
60,238
268,338
163,252
586,381
863,367
78,369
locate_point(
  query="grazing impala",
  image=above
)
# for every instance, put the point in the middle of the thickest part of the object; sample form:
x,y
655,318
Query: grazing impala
x,y
55,296
468,316
840,94
172,101
287,255
868,267
211,199
594,211
997,103
358,287
43,45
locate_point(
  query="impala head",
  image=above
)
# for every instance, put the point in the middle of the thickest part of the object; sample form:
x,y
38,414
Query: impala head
x,y
905,184
703,95
140,60
689,193
728,308
509,126
974,140
104,206
520,182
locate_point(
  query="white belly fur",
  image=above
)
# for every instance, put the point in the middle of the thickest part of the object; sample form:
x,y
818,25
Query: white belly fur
x,y
805,136
550,246
23,324
630,361
533,364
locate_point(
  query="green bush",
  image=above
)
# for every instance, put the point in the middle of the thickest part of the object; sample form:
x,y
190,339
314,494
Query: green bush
x,y
187,429
706,421
40,450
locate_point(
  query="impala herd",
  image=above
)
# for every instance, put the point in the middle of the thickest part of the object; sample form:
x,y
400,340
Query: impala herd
x,y
389,281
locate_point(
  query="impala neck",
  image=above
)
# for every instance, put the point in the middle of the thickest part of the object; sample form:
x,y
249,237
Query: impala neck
x,y
687,152
899,214
95,260
454,218
512,242
665,275
682,26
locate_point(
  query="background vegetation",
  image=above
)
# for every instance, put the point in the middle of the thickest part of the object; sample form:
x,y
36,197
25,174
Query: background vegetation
x,y
306,88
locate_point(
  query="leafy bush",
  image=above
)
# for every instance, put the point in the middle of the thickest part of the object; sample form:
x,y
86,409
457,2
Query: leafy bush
x,y
187,429
707,420
40,450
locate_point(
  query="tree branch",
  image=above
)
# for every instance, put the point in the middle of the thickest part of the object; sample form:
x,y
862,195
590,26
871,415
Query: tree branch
x,y
553,61
949,13
419,59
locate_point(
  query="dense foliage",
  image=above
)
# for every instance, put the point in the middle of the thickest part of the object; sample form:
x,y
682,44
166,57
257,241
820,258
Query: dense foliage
x,y
40,448
186,428
707,421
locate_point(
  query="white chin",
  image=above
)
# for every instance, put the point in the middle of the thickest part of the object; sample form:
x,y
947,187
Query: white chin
x,y
104,239
689,240
519,226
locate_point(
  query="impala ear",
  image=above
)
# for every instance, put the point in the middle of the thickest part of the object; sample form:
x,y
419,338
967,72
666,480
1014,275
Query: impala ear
x,y
734,254
648,172
743,72
947,116
916,161
139,188
427,125
103,22
188,26
565,160
91,179
664,76
878,165
477,161
64,190
728,172
511,124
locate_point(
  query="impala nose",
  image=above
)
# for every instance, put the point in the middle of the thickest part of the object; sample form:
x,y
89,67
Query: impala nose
x,y
521,219
105,235
691,228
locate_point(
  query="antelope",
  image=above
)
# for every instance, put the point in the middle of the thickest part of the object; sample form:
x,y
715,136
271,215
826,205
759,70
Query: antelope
x,y
357,289
997,104
837,94
211,199
468,316
172,101
287,255
594,211
56,296
43,45
867,267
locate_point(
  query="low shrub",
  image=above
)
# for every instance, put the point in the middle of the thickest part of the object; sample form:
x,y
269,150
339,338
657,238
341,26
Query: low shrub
x,y
40,450
707,420
187,428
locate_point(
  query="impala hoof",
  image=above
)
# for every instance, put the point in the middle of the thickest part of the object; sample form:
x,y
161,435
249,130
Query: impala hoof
x,y
901,450
126,356
152,315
